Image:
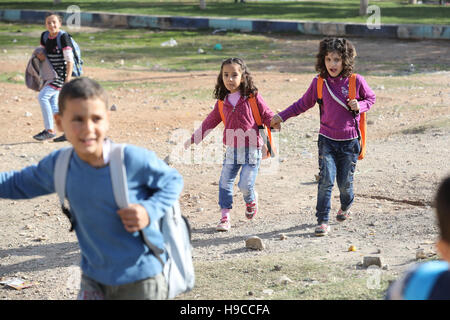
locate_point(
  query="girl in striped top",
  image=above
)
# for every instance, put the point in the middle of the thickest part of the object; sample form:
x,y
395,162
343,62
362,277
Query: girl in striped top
x,y
62,61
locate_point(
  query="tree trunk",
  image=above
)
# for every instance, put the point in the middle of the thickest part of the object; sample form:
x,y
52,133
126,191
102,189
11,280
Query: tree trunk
x,y
363,7
412,1
202,4
56,1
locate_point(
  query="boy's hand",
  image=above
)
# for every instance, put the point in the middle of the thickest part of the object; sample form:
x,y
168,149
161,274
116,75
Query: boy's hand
x,y
275,122
354,105
134,218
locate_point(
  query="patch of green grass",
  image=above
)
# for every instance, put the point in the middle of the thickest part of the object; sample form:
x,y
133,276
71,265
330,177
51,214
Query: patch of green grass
x,y
258,278
143,48
338,10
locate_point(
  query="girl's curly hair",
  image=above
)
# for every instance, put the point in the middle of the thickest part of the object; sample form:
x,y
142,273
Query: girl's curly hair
x,y
344,48
246,87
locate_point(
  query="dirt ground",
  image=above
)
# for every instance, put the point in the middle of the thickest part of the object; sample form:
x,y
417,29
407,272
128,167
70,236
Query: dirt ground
x,y
392,217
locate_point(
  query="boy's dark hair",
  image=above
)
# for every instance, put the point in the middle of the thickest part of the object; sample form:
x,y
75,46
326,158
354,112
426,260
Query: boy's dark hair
x,y
341,46
442,204
246,87
84,88
48,14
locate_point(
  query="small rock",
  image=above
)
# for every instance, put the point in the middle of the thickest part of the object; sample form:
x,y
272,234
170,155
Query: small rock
x,y
254,243
168,160
113,108
284,280
277,267
283,236
28,114
268,291
420,254
370,261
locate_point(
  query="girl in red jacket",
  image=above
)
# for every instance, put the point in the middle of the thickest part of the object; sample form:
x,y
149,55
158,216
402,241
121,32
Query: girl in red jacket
x,y
241,136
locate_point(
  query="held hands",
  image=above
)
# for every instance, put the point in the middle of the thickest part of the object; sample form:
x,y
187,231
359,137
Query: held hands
x,y
354,105
134,218
275,122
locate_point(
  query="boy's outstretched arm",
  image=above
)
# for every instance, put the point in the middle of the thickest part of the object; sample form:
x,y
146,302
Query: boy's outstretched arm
x,y
30,182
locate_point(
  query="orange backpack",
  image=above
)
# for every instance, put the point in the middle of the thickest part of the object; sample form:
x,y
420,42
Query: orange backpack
x,y
268,149
361,129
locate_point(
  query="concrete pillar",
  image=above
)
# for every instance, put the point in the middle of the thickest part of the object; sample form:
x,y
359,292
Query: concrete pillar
x,y
363,7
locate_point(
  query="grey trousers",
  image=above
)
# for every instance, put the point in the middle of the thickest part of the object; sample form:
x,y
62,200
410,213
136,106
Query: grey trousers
x,y
154,288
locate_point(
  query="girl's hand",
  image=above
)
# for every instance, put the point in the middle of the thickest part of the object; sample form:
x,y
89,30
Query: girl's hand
x,y
187,144
354,105
134,218
275,122
41,56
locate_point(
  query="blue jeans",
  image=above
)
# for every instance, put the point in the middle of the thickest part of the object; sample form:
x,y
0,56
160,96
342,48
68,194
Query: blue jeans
x,y
246,159
337,161
48,99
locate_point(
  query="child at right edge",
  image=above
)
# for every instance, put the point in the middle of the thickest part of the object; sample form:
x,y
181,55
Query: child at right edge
x,y
430,280
338,141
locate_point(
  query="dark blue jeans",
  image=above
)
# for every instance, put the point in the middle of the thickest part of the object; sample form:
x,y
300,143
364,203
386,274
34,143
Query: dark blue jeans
x,y
337,161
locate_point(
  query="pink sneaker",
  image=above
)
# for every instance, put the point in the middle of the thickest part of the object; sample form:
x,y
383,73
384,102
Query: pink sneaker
x,y
342,215
224,225
252,208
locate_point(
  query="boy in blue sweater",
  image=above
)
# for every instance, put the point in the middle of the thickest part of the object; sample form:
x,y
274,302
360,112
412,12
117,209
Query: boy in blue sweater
x,y
430,280
115,262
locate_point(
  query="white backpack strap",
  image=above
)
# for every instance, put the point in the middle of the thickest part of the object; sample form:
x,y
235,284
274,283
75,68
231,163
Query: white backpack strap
x,y
118,175
342,104
60,173
59,179
120,189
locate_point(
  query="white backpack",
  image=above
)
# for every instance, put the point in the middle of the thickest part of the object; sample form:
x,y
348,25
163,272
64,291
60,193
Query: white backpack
x,y
179,269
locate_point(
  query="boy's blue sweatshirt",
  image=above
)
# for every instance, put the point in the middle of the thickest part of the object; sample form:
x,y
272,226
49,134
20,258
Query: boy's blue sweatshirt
x,y
109,254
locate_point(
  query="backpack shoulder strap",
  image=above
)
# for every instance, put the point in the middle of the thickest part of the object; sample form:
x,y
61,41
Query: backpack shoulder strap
x,y
220,106
255,110
59,178
60,172
352,87
319,88
120,189
118,175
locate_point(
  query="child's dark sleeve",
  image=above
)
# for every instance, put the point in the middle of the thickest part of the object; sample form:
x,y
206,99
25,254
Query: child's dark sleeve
x,y
30,182
42,40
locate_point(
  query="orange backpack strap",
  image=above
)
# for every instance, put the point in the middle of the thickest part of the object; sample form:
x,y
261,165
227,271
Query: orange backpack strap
x,y
264,131
362,116
319,90
220,106
352,87
255,110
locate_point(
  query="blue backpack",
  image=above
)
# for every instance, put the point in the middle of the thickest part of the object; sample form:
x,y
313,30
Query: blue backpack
x,y
78,62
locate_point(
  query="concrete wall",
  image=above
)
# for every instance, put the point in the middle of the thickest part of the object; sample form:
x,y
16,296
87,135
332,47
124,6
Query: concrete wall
x,y
117,20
